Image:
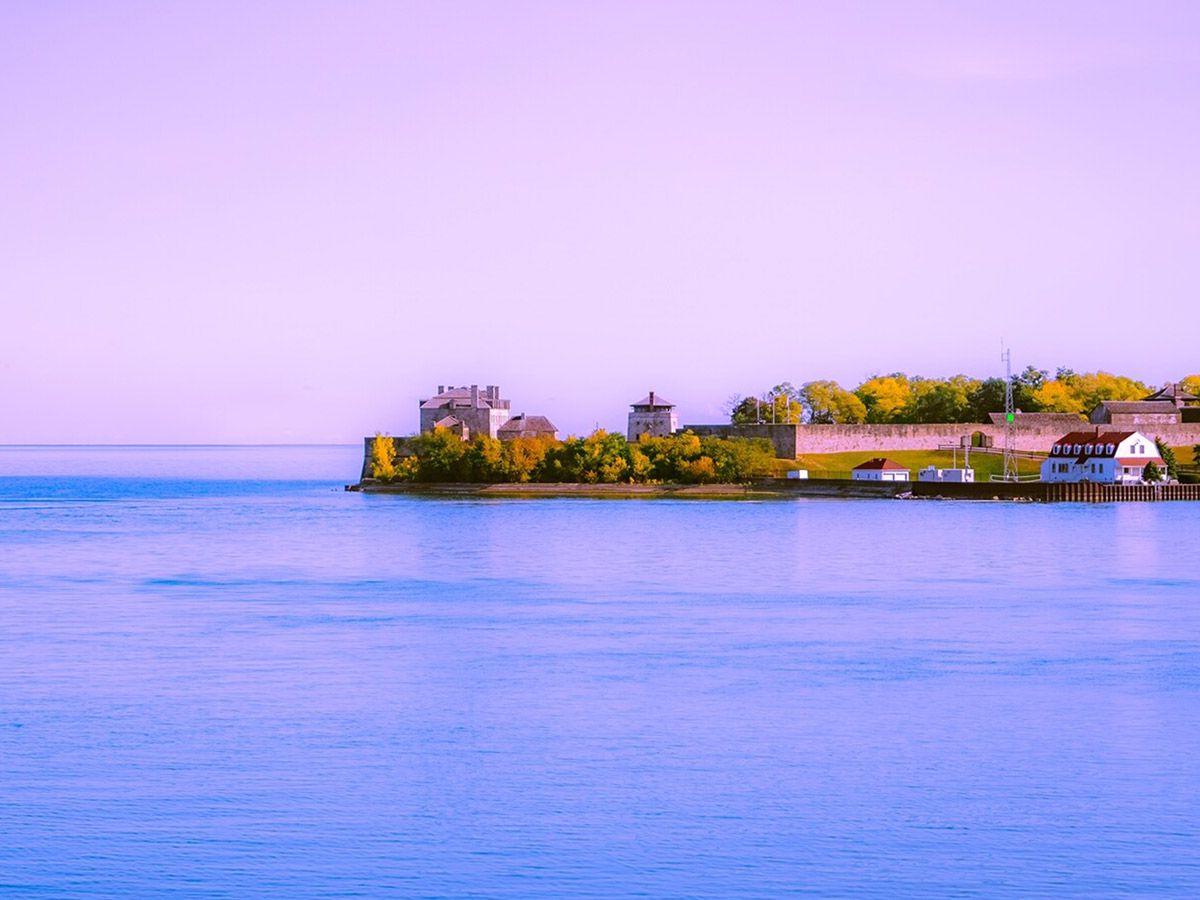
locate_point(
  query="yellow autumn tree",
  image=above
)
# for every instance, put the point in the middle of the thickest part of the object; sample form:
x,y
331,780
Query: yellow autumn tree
x,y
830,403
1191,384
884,396
1092,387
383,457
1057,397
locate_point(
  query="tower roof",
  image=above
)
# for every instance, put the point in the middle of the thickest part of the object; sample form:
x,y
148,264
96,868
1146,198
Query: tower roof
x,y
654,401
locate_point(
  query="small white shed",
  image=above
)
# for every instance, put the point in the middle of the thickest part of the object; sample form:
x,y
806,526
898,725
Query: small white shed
x,y
955,476
879,469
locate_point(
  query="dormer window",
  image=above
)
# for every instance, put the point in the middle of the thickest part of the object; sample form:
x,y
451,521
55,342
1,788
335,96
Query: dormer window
x,y
1087,449
1055,449
1078,449
1111,449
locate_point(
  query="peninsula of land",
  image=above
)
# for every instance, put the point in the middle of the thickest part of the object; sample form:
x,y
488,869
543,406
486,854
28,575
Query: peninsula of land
x,y
469,443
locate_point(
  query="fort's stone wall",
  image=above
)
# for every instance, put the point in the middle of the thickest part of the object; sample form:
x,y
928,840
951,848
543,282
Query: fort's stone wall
x,y
792,440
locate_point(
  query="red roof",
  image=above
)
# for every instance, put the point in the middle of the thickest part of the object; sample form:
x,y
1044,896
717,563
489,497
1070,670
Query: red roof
x,y
880,463
1091,437
1097,440
1140,461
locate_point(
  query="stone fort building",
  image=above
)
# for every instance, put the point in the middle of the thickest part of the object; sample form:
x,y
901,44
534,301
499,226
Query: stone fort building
x,y
468,412
654,416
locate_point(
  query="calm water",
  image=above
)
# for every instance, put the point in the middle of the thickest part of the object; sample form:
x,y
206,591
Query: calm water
x,y
222,676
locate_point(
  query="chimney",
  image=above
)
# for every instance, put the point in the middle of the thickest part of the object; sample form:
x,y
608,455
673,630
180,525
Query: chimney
x,y
441,389
475,395
652,398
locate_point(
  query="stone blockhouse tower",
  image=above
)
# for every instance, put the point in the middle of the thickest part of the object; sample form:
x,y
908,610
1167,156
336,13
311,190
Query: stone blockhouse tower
x,y
654,416
468,412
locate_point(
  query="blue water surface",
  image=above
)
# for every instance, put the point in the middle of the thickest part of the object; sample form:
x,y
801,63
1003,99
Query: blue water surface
x,y
223,676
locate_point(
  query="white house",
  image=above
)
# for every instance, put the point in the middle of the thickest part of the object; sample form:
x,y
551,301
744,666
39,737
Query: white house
x,y
879,469
1108,457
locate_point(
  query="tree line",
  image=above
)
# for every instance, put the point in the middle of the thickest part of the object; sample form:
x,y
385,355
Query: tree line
x,y
600,458
903,399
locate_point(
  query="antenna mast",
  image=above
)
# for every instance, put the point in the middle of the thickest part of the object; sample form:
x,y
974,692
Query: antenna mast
x,y
1010,462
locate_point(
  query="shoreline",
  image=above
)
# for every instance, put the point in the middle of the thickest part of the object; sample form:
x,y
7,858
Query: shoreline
x,y
790,489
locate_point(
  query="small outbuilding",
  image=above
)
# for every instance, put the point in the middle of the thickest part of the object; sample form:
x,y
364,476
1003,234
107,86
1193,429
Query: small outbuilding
x,y
879,469
1135,412
952,476
526,426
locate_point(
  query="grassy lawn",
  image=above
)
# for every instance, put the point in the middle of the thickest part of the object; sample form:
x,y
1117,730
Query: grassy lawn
x,y
838,465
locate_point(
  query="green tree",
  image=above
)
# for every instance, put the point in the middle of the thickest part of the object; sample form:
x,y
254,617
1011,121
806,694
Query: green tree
x,y
485,460
738,460
1025,388
940,400
1151,473
669,456
606,458
383,457
1168,457
1032,377
780,405
829,403
440,456
564,462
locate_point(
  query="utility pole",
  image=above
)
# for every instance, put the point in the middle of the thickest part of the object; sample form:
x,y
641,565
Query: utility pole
x,y
1010,416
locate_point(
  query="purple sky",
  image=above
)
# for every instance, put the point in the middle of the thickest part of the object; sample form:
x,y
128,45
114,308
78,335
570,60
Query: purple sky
x,y
288,222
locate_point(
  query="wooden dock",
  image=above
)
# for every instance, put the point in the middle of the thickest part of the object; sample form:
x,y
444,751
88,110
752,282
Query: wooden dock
x,y
1086,492
1026,491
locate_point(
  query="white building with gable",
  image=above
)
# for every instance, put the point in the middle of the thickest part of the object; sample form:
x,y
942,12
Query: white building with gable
x,y
1106,457
879,469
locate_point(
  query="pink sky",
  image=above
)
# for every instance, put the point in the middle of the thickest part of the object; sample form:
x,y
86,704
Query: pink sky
x,y
289,222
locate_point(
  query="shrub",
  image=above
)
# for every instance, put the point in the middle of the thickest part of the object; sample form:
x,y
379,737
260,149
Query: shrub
x,y
1168,456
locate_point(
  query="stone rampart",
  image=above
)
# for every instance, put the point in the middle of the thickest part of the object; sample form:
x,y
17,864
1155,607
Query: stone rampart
x,y
792,440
